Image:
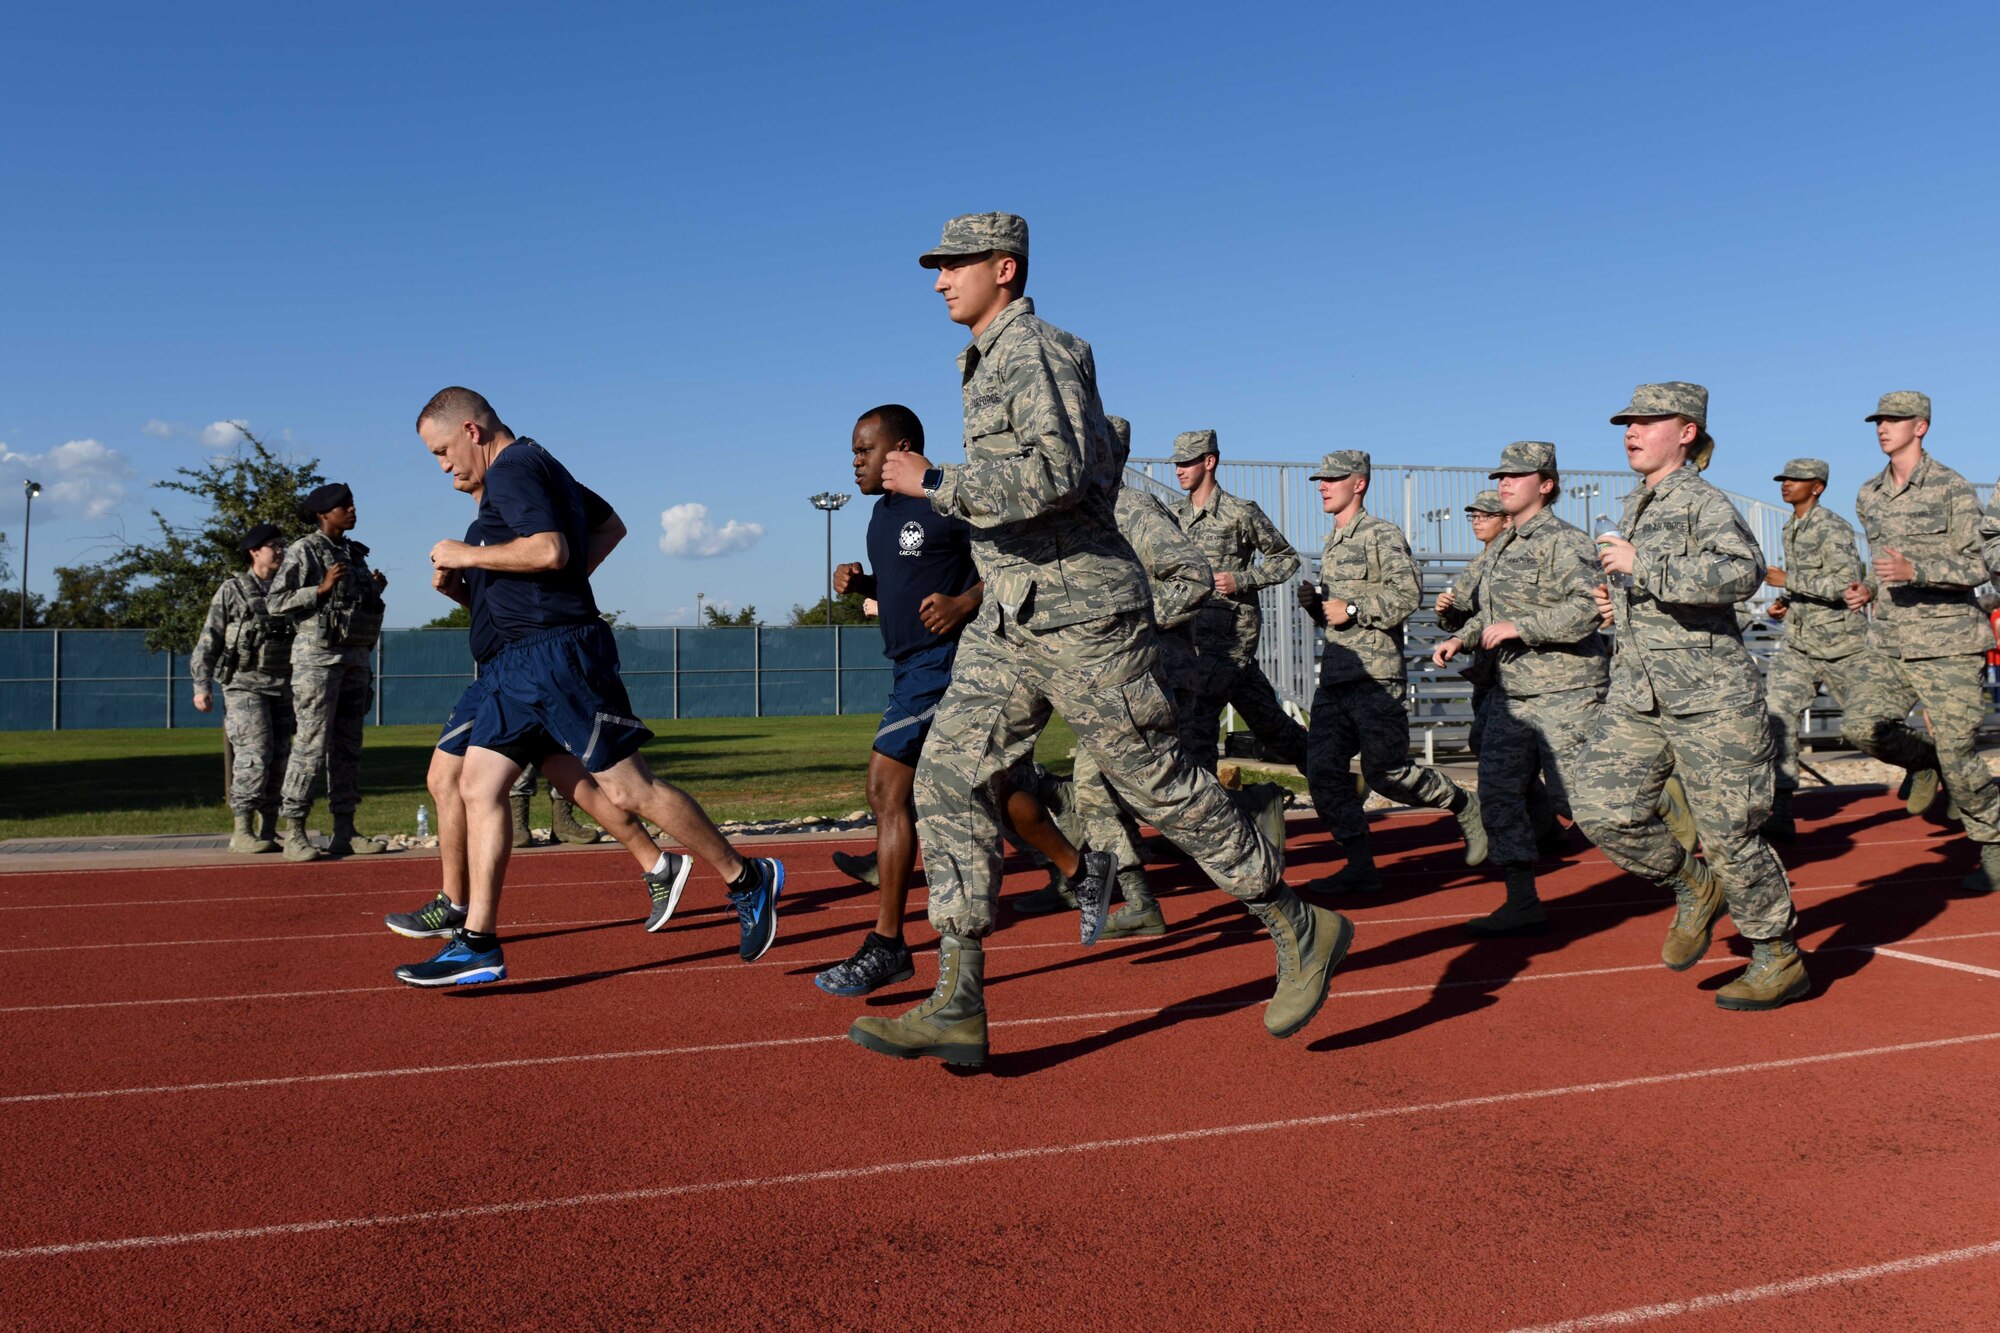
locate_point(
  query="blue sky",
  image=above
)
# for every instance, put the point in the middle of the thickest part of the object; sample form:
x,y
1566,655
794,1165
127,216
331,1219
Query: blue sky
x,y
678,246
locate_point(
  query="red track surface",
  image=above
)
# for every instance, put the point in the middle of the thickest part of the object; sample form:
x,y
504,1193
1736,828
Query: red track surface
x,y
640,1130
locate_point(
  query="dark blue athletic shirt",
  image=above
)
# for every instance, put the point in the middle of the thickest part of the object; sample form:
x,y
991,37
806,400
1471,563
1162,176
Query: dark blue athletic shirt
x,y
528,491
915,551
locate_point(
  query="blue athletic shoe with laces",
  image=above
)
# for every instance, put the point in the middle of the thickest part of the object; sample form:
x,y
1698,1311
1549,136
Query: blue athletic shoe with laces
x,y
757,908
457,964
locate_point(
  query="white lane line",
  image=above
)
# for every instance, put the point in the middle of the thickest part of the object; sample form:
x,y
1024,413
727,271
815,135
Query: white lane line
x,y
1032,1153
1640,1314
1935,962
710,1048
377,933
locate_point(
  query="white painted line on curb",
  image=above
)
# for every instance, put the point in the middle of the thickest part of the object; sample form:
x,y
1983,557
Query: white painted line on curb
x,y
1641,1314
997,1157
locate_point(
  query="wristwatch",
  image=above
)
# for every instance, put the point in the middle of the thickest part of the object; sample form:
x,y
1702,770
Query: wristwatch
x,y
1352,612
933,478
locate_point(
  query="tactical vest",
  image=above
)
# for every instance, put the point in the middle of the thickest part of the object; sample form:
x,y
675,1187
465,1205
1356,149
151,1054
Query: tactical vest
x,y
351,615
262,643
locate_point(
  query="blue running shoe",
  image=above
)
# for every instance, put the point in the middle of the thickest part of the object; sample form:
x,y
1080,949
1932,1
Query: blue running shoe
x,y
757,908
457,964
665,886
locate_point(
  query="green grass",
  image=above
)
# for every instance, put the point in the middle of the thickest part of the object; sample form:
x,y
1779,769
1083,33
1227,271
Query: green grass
x,y
84,783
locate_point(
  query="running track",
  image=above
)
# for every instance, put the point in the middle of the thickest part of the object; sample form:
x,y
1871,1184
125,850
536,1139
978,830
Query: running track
x,y
221,1111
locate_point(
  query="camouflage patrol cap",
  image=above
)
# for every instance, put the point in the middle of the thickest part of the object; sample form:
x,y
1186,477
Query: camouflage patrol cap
x,y
1903,403
977,234
1524,456
1342,463
1486,502
1191,446
1121,439
1804,469
1674,398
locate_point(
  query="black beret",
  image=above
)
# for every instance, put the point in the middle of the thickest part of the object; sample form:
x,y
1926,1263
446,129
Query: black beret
x,y
261,535
333,495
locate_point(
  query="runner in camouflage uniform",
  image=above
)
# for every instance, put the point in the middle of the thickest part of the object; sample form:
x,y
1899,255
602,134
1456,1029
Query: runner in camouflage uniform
x,y
1825,643
1231,532
1368,586
1065,626
248,651
1924,531
335,602
1537,618
1685,695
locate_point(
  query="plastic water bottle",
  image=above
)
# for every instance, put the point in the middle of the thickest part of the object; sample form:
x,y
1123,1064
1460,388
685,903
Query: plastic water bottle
x,y
1602,529
423,821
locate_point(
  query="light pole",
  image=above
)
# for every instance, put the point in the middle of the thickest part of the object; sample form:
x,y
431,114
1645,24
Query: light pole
x,y
697,608
31,489
1436,518
826,502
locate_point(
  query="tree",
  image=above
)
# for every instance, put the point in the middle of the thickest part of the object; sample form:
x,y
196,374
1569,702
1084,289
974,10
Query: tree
x,y
10,597
846,611
173,577
93,597
459,617
743,619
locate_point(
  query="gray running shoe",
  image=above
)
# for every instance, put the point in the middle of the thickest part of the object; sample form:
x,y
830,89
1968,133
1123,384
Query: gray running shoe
x,y
434,920
665,885
877,963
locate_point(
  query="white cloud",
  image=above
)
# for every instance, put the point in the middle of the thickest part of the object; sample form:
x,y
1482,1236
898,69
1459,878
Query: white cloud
x,y
685,532
160,430
222,434
82,478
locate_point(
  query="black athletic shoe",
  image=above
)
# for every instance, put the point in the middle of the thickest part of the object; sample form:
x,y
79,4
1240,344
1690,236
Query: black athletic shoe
x,y
877,963
1096,878
665,885
457,964
434,920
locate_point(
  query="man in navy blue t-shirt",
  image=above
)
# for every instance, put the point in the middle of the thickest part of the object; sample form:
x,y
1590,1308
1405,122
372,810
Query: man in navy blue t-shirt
x,y
927,589
550,689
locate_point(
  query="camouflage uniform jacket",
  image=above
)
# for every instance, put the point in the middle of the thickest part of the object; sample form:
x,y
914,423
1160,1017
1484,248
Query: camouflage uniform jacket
x,y
239,602
1989,535
1820,561
295,593
1934,520
1039,479
1368,563
1540,576
1232,532
1180,575
1474,663
1678,645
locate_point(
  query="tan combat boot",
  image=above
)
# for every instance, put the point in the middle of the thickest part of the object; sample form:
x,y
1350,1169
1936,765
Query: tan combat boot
x,y
1698,901
1467,815
1311,943
563,823
950,1025
1357,876
519,806
861,869
1777,975
292,837
1922,785
1264,803
1986,879
1677,814
244,839
346,842
1520,915
1141,913
267,826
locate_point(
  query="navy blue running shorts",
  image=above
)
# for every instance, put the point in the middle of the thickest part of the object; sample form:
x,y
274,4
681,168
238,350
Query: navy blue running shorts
x,y
920,681
558,691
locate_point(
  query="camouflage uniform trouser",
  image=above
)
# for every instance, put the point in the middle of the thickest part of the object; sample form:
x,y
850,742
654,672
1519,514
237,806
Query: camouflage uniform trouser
x,y
1792,681
1951,690
1543,804
1365,717
1102,675
259,726
1529,739
1724,759
1240,683
332,703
